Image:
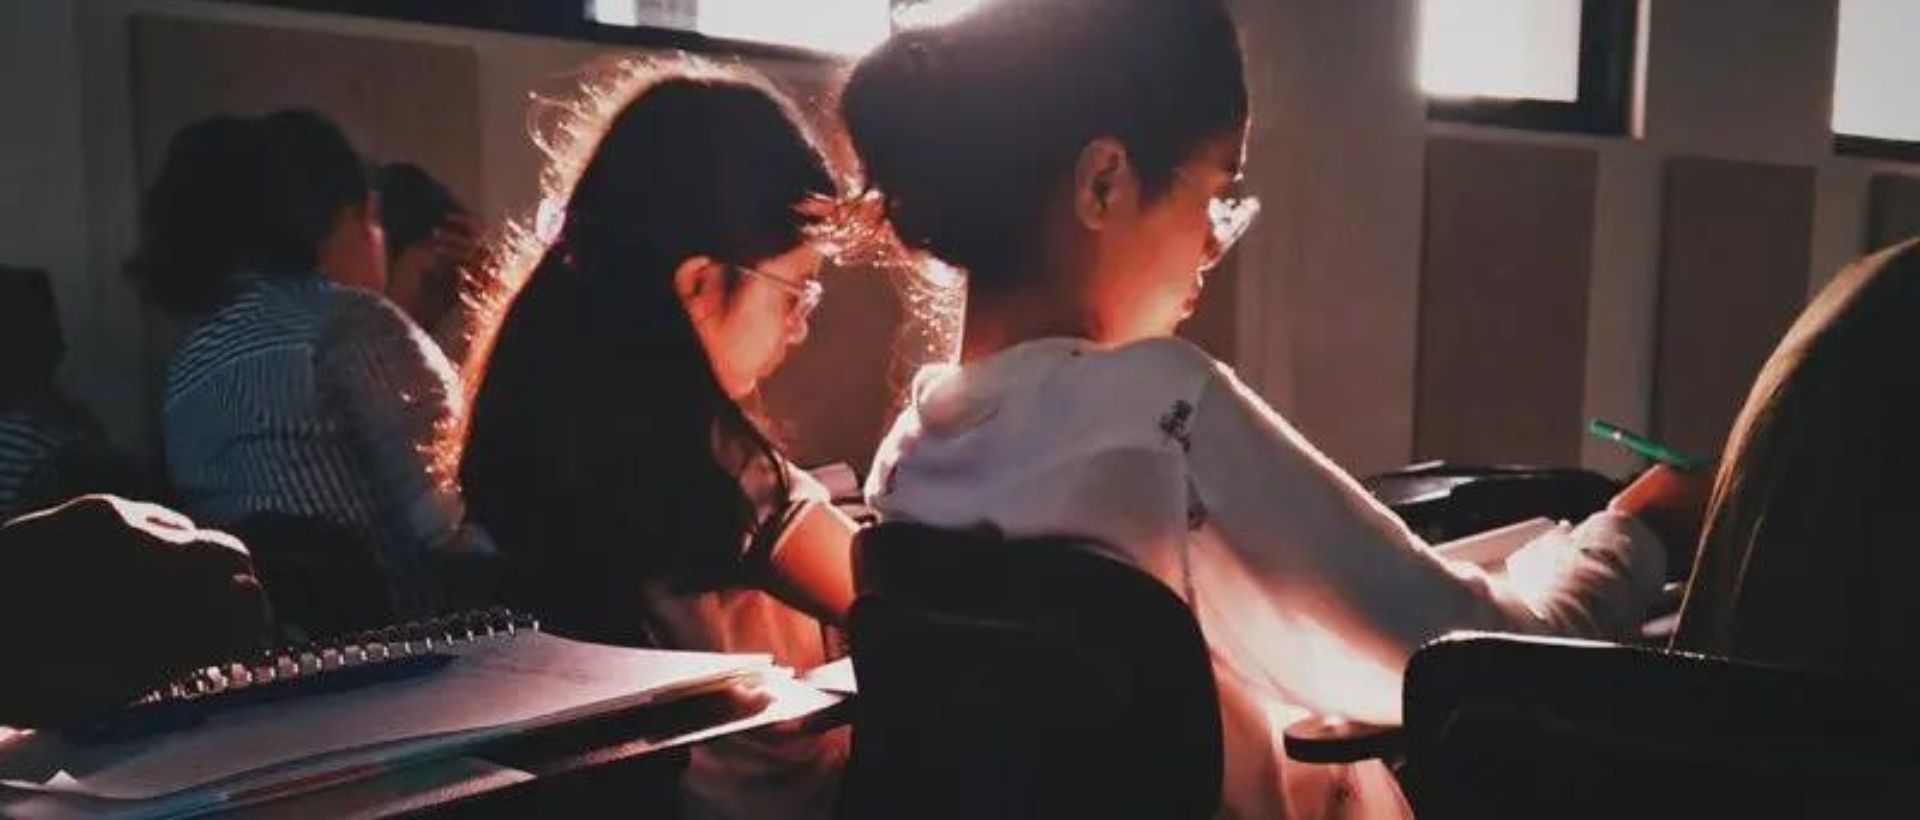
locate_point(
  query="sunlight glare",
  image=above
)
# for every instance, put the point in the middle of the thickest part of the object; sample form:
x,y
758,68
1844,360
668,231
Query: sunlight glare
x,y
838,26
1874,73
1517,49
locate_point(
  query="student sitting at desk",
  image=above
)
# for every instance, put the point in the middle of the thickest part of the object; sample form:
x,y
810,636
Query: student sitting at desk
x,y
301,391
1081,160
1808,545
613,450
51,448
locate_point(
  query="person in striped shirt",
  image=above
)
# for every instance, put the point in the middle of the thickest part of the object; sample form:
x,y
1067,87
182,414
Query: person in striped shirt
x,y
51,449
300,390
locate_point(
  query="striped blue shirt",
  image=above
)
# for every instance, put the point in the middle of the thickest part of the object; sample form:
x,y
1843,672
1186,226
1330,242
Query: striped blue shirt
x,y
49,452
309,398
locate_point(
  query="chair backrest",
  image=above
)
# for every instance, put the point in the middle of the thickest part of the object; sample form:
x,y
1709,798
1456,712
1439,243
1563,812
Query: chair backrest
x,y
1024,678
1501,726
322,578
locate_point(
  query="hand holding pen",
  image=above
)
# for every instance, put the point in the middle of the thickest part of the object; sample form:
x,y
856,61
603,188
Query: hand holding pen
x,y
1670,497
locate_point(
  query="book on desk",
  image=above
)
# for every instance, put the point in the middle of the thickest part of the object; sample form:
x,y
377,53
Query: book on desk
x,y
309,716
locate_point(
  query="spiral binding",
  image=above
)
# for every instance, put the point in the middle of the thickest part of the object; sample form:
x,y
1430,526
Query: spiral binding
x,y
356,650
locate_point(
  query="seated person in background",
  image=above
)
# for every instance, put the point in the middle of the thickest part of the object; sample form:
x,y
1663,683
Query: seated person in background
x,y
1080,160
1808,544
301,390
613,451
105,598
51,449
430,242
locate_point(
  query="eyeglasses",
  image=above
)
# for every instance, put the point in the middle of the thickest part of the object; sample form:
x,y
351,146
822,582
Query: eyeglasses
x,y
1229,214
806,296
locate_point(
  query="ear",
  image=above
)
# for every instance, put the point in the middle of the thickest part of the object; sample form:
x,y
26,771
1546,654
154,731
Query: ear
x,y
1102,176
701,284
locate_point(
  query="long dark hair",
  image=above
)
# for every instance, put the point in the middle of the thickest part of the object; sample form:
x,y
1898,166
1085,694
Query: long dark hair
x,y
590,450
1809,539
967,129
242,195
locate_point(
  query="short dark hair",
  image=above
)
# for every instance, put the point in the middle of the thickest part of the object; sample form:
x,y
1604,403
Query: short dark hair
x,y
967,128
412,204
241,195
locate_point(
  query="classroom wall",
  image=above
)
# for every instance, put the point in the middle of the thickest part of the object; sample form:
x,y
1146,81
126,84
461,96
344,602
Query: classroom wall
x,y
113,78
1356,305
1707,231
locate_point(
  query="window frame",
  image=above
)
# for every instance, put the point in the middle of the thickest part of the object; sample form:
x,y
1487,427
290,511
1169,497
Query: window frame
x,y
548,18
1609,57
1864,146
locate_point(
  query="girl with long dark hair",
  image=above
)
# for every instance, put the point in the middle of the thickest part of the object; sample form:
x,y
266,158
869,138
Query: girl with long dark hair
x,y
613,450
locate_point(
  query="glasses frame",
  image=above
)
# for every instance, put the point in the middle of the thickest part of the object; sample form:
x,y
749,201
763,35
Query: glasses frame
x,y
807,295
1229,215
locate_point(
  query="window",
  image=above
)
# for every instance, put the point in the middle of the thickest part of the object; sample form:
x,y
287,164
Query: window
x,y
1561,65
790,29
1875,112
832,26
835,26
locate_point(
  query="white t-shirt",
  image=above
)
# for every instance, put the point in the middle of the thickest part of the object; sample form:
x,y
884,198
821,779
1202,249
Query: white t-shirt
x,y
777,771
1311,594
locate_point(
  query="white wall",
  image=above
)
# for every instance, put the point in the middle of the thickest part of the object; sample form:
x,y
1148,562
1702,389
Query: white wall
x,y
42,200
1329,278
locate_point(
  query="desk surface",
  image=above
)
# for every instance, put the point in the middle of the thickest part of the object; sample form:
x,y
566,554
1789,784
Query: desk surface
x,y
632,758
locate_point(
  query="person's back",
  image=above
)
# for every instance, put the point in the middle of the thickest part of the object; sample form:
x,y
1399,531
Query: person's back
x,y
1081,161
51,448
300,390
1310,594
263,411
1808,544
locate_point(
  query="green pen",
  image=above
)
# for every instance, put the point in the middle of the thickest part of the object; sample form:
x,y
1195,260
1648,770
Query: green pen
x,y
1644,446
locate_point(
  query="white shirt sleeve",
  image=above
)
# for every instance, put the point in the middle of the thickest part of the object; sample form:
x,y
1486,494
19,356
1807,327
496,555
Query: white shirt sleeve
x,y
1321,593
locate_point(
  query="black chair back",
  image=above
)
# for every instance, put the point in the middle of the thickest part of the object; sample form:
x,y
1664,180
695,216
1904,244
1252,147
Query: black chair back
x,y
1501,726
1024,679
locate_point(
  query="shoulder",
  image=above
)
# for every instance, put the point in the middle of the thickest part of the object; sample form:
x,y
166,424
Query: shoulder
x,y
365,326
1162,371
363,312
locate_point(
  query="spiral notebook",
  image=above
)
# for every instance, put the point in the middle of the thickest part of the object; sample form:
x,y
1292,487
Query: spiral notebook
x,y
300,670
367,701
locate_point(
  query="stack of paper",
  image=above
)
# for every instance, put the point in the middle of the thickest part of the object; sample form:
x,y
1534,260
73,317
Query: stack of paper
x,y
492,689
